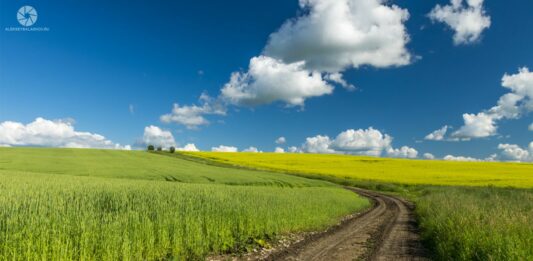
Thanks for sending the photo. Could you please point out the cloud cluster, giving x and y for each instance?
(358, 142)
(306, 56)
(512, 105)
(52, 133)
(467, 18)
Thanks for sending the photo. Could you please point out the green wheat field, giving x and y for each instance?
(84, 204)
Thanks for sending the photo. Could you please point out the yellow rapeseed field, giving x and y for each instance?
(429, 172)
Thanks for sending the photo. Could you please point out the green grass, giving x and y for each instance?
(69, 204)
(134, 165)
(476, 221)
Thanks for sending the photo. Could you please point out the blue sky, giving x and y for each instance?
(100, 57)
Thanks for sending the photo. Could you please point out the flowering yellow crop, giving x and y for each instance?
(386, 169)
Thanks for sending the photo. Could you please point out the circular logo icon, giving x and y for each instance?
(27, 15)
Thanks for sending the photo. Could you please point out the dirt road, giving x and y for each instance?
(385, 232)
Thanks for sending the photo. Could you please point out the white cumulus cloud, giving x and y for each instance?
(467, 18)
(365, 142)
(332, 35)
(530, 127)
(338, 78)
(294, 149)
(438, 134)
(516, 153)
(269, 80)
(307, 55)
(403, 152)
(193, 116)
(429, 156)
(281, 140)
(52, 133)
(223, 148)
(188, 147)
(279, 150)
(154, 135)
(317, 144)
(512, 105)
(476, 126)
(459, 158)
(369, 142)
(252, 149)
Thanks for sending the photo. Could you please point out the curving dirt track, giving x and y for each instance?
(385, 232)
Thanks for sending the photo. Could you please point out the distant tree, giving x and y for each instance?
(151, 147)
(172, 149)
(159, 148)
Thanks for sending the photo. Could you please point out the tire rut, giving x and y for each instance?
(387, 231)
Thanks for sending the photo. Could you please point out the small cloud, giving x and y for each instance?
(279, 150)
(252, 149)
(281, 140)
(429, 156)
(467, 18)
(200, 72)
(188, 147)
(131, 109)
(223, 148)
(437, 135)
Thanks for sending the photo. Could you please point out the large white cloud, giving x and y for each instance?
(155, 136)
(512, 105)
(52, 133)
(357, 142)
(223, 148)
(333, 35)
(269, 80)
(467, 18)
